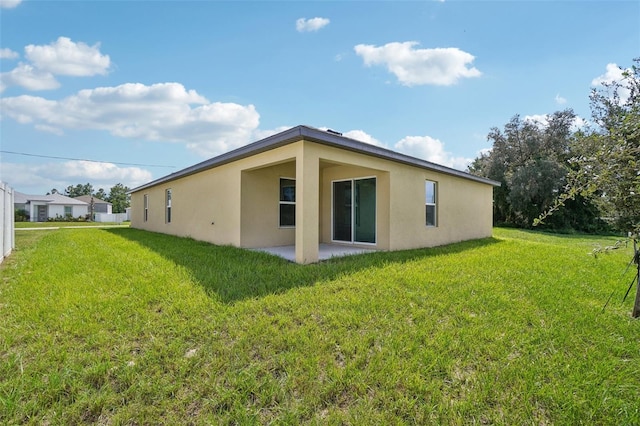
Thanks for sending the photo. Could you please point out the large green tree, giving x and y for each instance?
(119, 198)
(605, 161)
(78, 190)
(529, 159)
(101, 194)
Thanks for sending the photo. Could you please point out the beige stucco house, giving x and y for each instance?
(305, 187)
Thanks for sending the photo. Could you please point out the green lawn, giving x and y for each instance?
(20, 225)
(122, 326)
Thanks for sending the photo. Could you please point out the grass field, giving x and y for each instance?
(122, 326)
(21, 225)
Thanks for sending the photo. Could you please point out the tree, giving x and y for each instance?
(605, 165)
(101, 194)
(53, 191)
(529, 159)
(78, 190)
(119, 198)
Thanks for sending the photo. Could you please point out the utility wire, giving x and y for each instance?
(84, 159)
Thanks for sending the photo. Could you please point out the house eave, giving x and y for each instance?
(313, 135)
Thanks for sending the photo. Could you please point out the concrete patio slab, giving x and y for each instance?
(325, 251)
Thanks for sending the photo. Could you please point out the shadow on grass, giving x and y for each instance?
(234, 274)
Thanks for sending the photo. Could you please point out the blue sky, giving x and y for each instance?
(143, 84)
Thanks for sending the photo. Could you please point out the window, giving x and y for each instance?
(430, 203)
(168, 218)
(287, 202)
(146, 207)
(68, 210)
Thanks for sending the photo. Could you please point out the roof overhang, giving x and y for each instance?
(313, 135)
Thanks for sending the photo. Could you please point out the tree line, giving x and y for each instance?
(117, 195)
(556, 175)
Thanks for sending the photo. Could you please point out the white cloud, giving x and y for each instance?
(613, 74)
(262, 134)
(163, 111)
(50, 129)
(30, 78)
(430, 149)
(6, 53)
(579, 123)
(313, 24)
(440, 66)
(65, 57)
(62, 57)
(362, 136)
(31, 178)
(423, 147)
(9, 4)
(542, 120)
(560, 100)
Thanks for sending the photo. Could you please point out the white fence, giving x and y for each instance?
(7, 237)
(110, 217)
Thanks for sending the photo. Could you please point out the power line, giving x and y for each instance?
(84, 159)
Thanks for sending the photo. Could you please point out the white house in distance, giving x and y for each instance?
(41, 208)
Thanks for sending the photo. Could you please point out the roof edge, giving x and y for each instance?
(314, 135)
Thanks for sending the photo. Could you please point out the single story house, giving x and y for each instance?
(99, 206)
(41, 208)
(305, 187)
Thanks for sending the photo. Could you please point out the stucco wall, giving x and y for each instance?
(207, 205)
(237, 203)
(204, 206)
(260, 207)
(464, 209)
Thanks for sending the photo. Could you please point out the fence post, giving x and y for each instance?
(636, 259)
(7, 240)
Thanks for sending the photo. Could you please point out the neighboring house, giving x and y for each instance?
(99, 206)
(306, 186)
(41, 208)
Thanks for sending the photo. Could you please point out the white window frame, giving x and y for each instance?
(168, 197)
(146, 207)
(281, 203)
(428, 203)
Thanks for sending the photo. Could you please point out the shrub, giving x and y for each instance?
(21, 215)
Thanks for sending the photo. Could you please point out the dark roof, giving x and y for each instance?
(20, 198)
(329, 138)
(87, 199)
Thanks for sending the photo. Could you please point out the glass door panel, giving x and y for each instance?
(342, 214)
(354, 210)
(365, 210)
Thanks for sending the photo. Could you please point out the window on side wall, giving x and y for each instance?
(168, 197)
(146, 207)
(68, 210)
(287, 203)
(431, 197)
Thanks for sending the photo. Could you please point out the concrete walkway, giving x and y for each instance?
(325, 251)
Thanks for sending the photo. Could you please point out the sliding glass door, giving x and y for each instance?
(354, 210)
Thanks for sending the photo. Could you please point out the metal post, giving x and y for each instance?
(636, 259)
